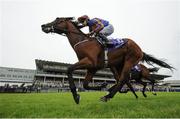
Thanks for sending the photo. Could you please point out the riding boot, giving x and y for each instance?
(107, 43)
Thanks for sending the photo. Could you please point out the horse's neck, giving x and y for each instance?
(75, 35)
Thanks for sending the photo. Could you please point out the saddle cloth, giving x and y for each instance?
(136, 68)
(116, 42)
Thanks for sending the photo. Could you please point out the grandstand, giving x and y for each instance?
(15, 79)
(53, 74)
(16, 75)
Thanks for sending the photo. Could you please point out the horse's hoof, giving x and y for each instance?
(155, 94)
(77, 98)
(136, 97)
(104, 99)
(145, 95)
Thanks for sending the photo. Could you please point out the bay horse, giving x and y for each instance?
(143, 73)
(90, 54)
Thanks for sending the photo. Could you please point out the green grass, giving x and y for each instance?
(62, 105)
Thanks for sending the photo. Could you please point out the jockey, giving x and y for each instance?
(97, 26)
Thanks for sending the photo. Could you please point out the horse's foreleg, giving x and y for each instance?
(72, 84)
(88, 78)
(82, 64)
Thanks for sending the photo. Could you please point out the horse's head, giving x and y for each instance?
(59, 25)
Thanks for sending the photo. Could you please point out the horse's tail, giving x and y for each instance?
(149, 59)
(154, 69)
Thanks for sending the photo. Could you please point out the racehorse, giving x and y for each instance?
(139, 73)
(90, 54)
(144, 73)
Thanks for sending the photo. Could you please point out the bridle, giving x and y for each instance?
(53, 28)
(64, 32)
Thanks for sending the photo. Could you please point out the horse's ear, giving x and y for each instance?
(57, 18)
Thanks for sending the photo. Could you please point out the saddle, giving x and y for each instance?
(136, 68)
(113, 43)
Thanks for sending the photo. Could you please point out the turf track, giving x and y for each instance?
(62, 105)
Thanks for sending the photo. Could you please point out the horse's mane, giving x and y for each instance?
(76, 24)
(66, 18)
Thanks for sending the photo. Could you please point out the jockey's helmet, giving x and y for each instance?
(83, 18)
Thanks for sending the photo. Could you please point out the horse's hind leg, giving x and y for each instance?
(122, 80)
(131, 88)
(88, 78)
(153, 92)
(144, 86)
(120, 91)
(116, 77)
(111, 88)
(114, 91)
(152, 83)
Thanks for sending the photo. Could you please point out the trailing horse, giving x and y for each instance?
(90, 54)
(138, 73)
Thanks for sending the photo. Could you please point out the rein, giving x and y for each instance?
(69, 31)
(79, 43)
